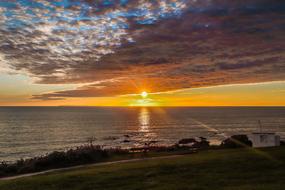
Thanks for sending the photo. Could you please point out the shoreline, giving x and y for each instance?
(93, 154)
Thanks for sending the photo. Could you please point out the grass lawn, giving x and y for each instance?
(232, 169)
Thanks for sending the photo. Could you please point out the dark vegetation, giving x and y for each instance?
(236, 141)
(81, 155)
(90, 153)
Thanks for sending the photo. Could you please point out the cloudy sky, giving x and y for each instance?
(105, 52)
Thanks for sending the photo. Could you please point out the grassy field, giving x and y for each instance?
(232, 169)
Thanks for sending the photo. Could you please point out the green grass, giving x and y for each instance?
(239, 169)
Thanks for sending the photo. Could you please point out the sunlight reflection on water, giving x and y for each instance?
(144, 120)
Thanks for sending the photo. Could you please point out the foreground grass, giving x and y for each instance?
(236, 169)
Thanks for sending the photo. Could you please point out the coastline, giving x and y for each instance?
(93, 154)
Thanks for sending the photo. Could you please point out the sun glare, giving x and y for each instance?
(144, 94)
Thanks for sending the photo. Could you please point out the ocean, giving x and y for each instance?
(32, 131)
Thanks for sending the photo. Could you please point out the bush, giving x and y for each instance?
(203, 143)
(81, 155)
(236, 141)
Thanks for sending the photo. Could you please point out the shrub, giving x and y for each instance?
(81, 155)
(203, 143)
(236, 141)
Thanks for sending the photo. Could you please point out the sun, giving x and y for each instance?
(144, 94)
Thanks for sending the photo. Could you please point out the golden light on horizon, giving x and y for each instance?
(144, 94)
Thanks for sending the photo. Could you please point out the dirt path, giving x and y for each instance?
(88, 165)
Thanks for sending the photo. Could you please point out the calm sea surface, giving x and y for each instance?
(27, 132)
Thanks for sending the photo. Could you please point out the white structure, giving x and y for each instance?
(265, 139)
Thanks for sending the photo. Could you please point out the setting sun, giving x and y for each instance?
(95, 81)
(144, 94)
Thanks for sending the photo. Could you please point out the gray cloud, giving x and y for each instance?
(209, 43)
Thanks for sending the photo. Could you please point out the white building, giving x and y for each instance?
(265, 139)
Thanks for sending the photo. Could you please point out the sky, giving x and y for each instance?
(106, 52)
